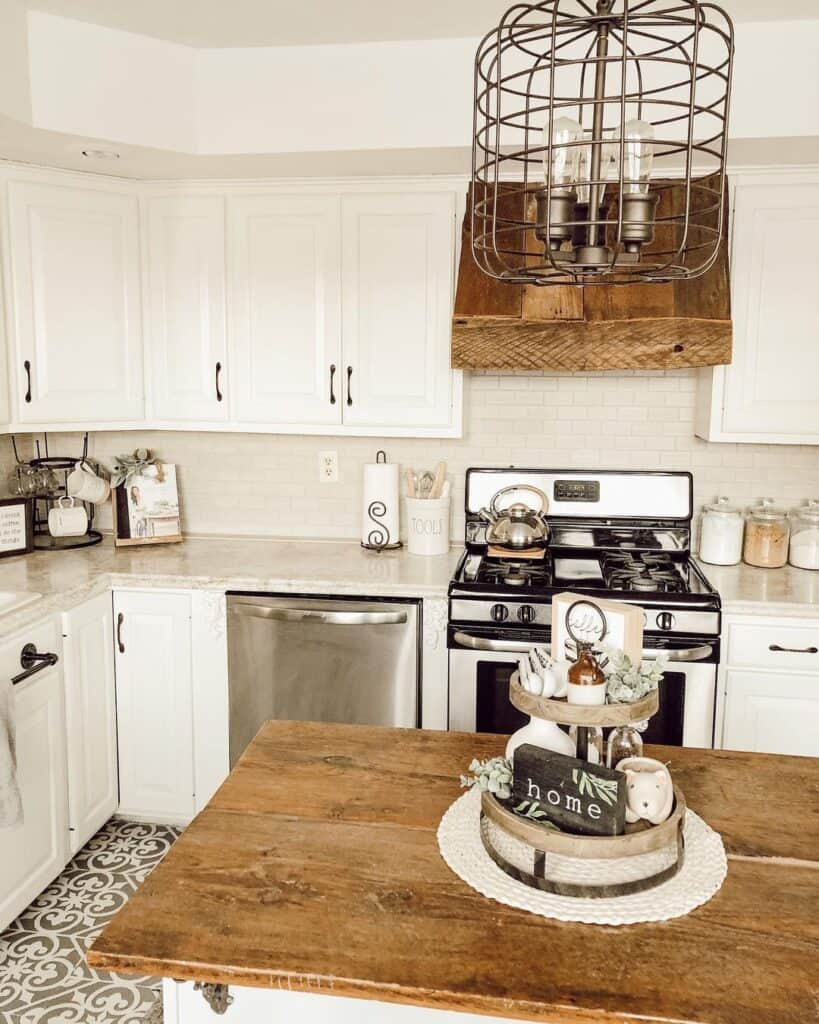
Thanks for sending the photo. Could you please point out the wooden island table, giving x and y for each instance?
(312, 885)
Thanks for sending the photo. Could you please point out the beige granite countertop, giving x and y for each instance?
(750, 591)
(67, 578)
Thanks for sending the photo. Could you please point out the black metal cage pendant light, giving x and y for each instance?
(599, 141)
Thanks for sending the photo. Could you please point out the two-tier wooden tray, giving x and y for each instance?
(638, 840)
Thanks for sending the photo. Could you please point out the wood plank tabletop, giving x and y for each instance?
(316, 867)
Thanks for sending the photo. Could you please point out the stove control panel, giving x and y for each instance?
(526, 613)
(499, 613)
(666, 621)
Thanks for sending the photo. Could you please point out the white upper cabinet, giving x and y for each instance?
(75, 297)
(285, 346)
(186, 309)
(770, 392)
(397, 273)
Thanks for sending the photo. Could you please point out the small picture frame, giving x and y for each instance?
(146, 508)
(16, 526)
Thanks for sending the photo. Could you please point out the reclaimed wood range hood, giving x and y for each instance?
(500, 326)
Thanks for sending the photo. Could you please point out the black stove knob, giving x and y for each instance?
(499, 612)
(526, 613)
(665, 620)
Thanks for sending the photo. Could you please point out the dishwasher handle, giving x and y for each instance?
(332, 618)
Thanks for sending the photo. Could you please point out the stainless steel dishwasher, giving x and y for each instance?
(321, 659)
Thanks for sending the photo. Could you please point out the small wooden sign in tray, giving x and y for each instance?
(581, 714)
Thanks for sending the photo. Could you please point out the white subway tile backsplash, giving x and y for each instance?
(268, 484)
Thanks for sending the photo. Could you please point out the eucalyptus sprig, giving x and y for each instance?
(493, 776)
(127, 466)
(627, 682)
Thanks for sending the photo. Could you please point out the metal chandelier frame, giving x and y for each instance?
(668, 62)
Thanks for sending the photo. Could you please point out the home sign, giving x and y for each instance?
(575, 795)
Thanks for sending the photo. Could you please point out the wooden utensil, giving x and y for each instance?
(437, 486)
(411, 483)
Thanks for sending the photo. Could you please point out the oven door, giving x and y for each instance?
(481, 662)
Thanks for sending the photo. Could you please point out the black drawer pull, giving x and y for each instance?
(793, 650)
(349, 375)
(27, 368)
(332, 375)
(32, 662)
(120, 644)
(218, 391)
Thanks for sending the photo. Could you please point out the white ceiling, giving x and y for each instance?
(219, 23)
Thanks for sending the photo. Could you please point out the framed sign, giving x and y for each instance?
(612, 622)
(146, 507)
(16, 526)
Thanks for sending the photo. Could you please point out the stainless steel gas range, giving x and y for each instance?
(614, 534)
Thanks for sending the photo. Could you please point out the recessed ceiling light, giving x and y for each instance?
(101, 154)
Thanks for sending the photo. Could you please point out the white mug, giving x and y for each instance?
(84, 484)
(67, 520)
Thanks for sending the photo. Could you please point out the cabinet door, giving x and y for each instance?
(398, 258)
(34, 852)
(186, 275)
(76, 298)
(772, 386)
(284, 298)
(771, 713)
(88, 666)
(154, 705)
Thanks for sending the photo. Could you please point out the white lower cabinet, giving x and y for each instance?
(770, 684)
(771, 713)
(152, 642)
(91, 722)
(35, 851)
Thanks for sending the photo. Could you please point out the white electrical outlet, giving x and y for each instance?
(328, 467)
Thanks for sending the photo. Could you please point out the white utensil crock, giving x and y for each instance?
(428, 526)
(66, 519)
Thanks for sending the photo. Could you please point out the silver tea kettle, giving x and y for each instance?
(518, 526)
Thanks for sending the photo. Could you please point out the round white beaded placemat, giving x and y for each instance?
(701, 875)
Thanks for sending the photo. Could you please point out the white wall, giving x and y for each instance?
(268, 485)
(114, 85)
(93, 81)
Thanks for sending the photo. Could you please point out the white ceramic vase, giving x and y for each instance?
(540, 733)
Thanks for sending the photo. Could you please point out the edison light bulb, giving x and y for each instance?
(562, 173)
(638, 156)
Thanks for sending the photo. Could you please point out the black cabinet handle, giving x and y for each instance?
(218, 392)
(349, 395)
(793, 650)
(332, 374)
(27, 368)
(32, 662)
(120, 644)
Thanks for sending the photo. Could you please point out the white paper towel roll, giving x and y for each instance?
(380, 503)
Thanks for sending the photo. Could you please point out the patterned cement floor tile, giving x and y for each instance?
(44, 978)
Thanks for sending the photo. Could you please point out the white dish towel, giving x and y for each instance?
(11, 806)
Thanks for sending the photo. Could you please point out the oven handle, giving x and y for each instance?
(480, 643)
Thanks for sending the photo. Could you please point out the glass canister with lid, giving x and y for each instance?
(804, 552)
(721, 533)
(767, 531)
